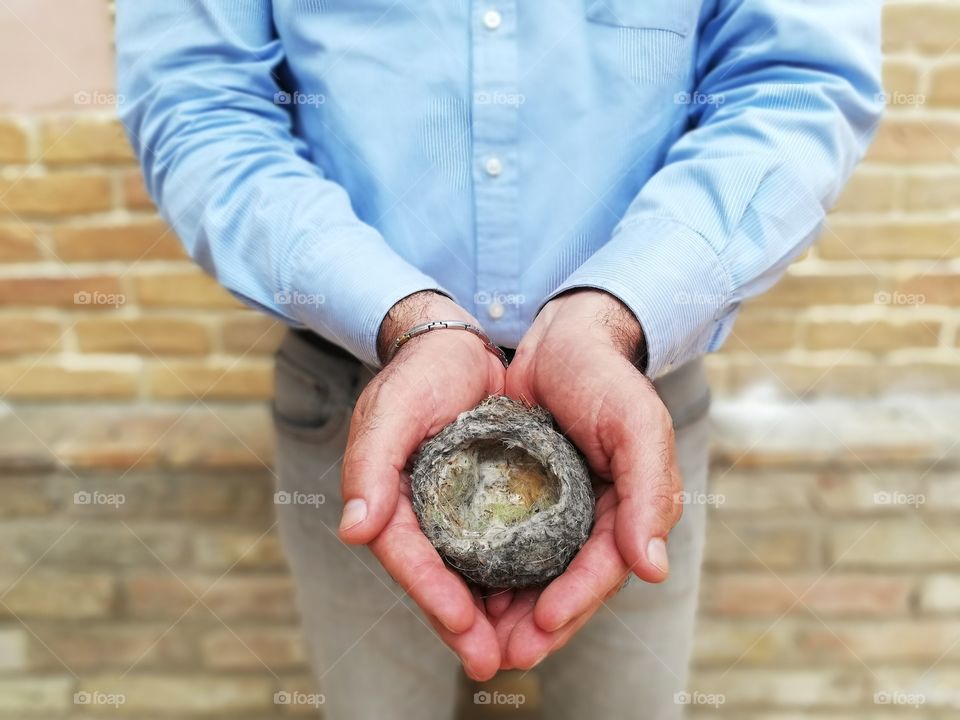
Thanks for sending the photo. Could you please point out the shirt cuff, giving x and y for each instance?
(362, 281)
(671, 279)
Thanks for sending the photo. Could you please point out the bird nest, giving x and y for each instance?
(503, 496)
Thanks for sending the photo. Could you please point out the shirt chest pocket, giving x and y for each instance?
(678, 16)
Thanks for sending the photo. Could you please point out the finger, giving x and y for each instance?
(521, 606)
(647, 479)
(477, 647)
(594, 575)
(498, 601)
(385, 430)
(412, 561)
(528, 645)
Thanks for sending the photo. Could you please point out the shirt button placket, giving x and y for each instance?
(495, 126)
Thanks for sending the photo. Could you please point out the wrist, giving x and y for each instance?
(606, 318)
(413, 310)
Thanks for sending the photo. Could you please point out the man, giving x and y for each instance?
(598, 184)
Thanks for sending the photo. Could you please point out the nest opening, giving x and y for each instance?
(491, 484)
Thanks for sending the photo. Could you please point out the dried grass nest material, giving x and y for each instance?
(503, 496)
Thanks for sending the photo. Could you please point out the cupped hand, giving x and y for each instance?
(578, 361)
(430, 380)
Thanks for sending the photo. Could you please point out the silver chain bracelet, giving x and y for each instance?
(416, 330)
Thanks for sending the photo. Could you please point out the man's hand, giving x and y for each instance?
(578, 360)
(431, 380)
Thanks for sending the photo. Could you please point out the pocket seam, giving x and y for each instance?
(601, 12)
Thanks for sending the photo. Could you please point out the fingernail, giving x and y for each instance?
(354, 513)
(657, 554)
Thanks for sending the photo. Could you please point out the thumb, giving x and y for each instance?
(386, 428)
(647, 480)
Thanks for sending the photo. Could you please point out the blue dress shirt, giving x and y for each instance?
(325, 158)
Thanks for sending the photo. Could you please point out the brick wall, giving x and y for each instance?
(833, 566)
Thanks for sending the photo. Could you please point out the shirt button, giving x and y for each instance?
(493, 166)
(495, 311)
(492, 19)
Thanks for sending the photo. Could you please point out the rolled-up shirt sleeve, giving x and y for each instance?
(207, 119)
(787, 98)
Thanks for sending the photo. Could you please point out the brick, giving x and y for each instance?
(869, 192)
(833, 595)
(221, 382)
(252, 648)
(945, 85)
(14, 142)
(252, 333)
(768, 492)
(871, 335)
(890, 240)
(183, 290)
(934, 288)
(932, 376)
(756, 332)
(236, 495)
(915, 140)
(20, 696)
(72, 546)
(138, 240)
(240, 549)
(84, 139)
(182, 695)
(779, 688)
(925, 192)
(28, 334)
(17, 243)
(13, 649)
(938, 684)
(870, 491)
(143, 336)
(928, 27)
(102, 646)
(135, 195)
(867, 642)
(55, 194)
(94, 292)
(900, 77)
(842, 376)
(905, 543)
(723, 642)
(48, 380)
(943, 492)
(41, 594)
(234, 597)
(30, 495)
(758, 546)
(940, 593)
(795, 291)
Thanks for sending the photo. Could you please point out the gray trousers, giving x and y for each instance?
(376, 656)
